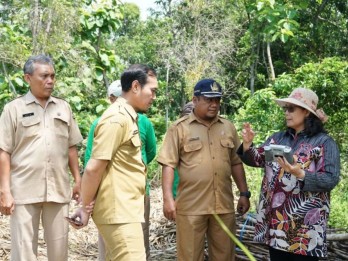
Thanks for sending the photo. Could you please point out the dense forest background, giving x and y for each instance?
(258, 50)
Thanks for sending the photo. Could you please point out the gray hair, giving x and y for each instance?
(28, 67)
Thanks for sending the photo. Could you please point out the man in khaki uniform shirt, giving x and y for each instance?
(115, 174)
(202, 145)
(38, 138)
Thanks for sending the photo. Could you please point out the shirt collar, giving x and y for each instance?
(292, 132)
(30, 98)
(127, 107)
(192, 118)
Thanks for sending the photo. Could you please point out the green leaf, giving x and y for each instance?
(75, 99)
(99, 73)
(100, 108)
(88, 46)
(284, 38)
(99, 21)
(105, 59)
(19, 81)
(259, 6)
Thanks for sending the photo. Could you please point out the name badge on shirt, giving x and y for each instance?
(194, 138)
(28, 114)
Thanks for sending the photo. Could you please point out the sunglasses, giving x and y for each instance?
(290, 108)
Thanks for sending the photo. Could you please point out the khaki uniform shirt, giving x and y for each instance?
(204, 156)
(120, 198)
(38, 140)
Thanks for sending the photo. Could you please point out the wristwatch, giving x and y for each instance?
(245, 194)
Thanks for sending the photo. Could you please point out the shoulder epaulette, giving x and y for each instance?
(183, 118)
(20, 96)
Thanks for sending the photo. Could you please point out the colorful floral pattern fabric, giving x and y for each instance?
(288, 217)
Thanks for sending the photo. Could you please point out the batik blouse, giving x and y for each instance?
(292, 214)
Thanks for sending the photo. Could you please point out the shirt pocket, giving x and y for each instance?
(31, 126)
(227, 146)
(135, 140)
(134, 149)
(61, 125)
(193, 152)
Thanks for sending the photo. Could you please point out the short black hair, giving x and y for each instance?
(28, 67)
(139, 72)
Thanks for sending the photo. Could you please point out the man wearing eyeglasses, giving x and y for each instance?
(202, 145)
(38, 139)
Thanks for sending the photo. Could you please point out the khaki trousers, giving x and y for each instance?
(190, 237)
(25, 222)
(146, 231)
(123, 242)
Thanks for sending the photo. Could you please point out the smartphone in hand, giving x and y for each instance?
(74, 221)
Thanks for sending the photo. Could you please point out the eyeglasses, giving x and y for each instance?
(290, 108)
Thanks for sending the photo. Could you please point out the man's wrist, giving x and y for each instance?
(246, 194)
(78, 180)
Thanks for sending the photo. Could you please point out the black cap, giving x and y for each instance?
(208, 88)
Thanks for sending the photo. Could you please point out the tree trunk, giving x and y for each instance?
(167, 94)
(106, 81)
(35, 26)
(253, 67)
(270, 63)
(49, 22)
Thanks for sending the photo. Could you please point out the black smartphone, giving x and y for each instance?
(74, 221)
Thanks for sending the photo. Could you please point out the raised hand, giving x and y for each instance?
(247, 135)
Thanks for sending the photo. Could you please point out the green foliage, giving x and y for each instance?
(260, 110)
(329, 79)
(275, 19)
(160, 127)
(339, 198)
(254, 178)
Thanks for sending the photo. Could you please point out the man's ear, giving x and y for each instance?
(194, 100)
(27, 78)
(135, 86)
(112, 98)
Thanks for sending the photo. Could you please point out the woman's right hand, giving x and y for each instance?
(247, 135)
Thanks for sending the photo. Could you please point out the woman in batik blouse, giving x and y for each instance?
(294, 203)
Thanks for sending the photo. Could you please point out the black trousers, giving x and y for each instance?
(278, 255)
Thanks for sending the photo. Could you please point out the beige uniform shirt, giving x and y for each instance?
(120, 198)
(204, 156)
(38, 140)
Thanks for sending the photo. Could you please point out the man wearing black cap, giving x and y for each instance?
(202, 145)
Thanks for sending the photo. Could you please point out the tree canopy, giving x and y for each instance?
(257, 50)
